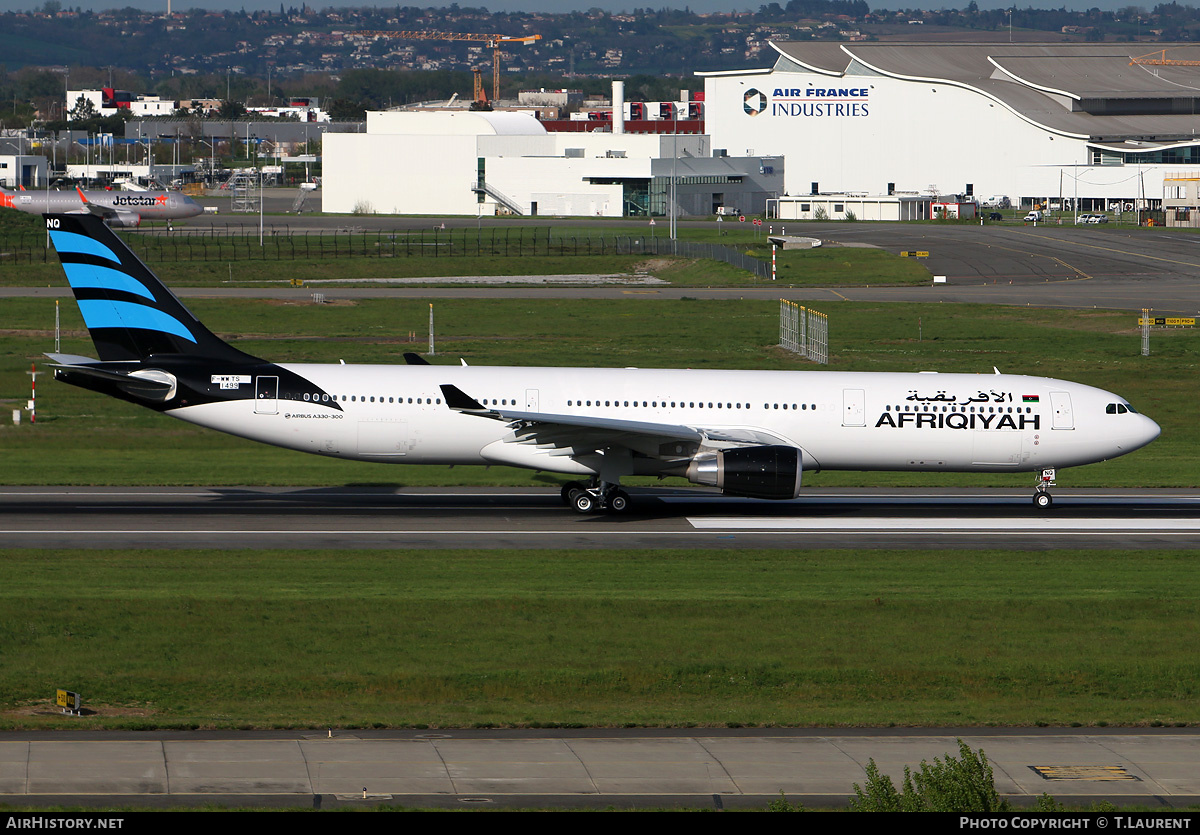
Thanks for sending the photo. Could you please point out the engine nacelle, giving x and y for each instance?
(125, 220)
(760, 472)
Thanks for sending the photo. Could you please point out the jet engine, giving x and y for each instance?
(125, 220)
(760, 472)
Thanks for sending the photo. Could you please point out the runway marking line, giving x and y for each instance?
(1007, 524)
(608, 532)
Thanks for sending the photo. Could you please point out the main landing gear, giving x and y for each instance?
(1041, 494)
(596, 497)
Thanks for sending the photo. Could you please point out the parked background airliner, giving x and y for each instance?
(750, 433)
(117, 208)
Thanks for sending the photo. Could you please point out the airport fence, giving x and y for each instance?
(225, 244)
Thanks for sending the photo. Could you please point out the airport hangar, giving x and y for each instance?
(1099, 126)
(1103, 123)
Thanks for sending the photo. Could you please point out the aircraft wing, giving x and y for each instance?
(105, 212)
(583, 433)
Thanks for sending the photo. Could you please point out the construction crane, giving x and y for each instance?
(1162, 60)
(493, 41)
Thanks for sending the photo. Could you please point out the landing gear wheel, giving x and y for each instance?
(618, 502)
(584, 502)
(1042, 499)
(569, 490)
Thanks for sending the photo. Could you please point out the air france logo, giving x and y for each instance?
(819, 102)
(754, 102)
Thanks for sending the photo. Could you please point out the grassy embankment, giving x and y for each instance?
(461, 638)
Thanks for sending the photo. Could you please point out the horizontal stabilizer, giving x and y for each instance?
(72, 359)
(150, 384)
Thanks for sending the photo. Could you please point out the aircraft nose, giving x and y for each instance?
(1140, 434)
(1150, 430)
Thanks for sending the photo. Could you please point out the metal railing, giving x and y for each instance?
(804, 331)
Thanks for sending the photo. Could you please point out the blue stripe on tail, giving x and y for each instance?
(81, 245)
(106, 313)
(96, 277)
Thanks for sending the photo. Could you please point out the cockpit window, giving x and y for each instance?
(1118, 409)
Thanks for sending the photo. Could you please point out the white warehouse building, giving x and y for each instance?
(1035, 122)
(480, 163)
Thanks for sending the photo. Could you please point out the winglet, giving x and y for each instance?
(81, 197)
(414, 359)
(460, 401)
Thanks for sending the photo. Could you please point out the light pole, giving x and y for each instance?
(212, 158)
(673, 191)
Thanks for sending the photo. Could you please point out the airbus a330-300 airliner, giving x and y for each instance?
(749, 433)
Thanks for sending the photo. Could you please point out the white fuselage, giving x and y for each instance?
(840, 420)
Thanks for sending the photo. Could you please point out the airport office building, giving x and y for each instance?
(461, 162)
(1033, 122)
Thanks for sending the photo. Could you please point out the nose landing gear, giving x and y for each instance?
(1041, 494)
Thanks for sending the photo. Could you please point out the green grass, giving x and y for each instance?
(84, 438)
(239, 261)
(826, 268)
(461, 638)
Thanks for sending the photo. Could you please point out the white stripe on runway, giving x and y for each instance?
(884, 523)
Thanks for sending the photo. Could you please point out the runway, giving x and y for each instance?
(384, 517)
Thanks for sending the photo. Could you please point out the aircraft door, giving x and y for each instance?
(531, 400)
(266, 395)
(854, 408)
(1060, 402)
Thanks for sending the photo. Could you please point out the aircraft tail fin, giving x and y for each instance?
(129, 313)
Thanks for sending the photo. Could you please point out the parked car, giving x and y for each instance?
(1033, 217)
(1098, 219)
(995, 216)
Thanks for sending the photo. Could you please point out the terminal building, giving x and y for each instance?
(1097, 126)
